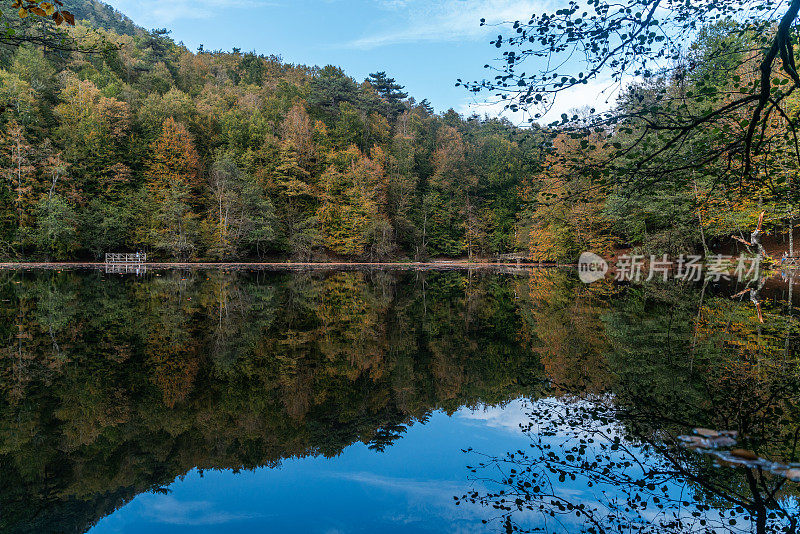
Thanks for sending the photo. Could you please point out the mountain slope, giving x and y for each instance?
(102, 15)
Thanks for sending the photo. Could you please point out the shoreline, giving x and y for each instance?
(278, 265)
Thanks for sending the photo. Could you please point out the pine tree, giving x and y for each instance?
(390, 91)
(426, 106)
(387, 87)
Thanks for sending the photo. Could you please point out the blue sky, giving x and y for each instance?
(425, 45)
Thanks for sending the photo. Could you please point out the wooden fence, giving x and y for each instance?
(138, 257)
(514, 257)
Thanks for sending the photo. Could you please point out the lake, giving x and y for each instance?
(332, 401)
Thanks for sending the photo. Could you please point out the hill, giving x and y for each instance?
(229, 155)
(101, 15)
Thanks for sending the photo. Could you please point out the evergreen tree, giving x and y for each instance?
(390, 92)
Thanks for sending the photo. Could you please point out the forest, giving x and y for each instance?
(127, 141)
(132, 142)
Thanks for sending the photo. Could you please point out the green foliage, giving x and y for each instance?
(133, 140)
(56, 228)
(702, 137)
(390, 92)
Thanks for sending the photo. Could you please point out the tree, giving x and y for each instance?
(425, 105)
(17, 98)
(724, 119)
(455, 226)
(240, 216)
(298, 133)
(353, 203)
(297, 198)
(568, 217)
(54, 167)
(94, 130)
(223, 181)
(499, 164)
(402, 182)
(36, 22)
(173, 188)
(56, 227)
(18, 169)
(390, 91)
(31, 65)
(330, 87)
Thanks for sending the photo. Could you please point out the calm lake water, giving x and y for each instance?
(394, 401)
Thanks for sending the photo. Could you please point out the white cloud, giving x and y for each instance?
(600, 93)
(169, 510)
(448, 20)
(508, 417)
(412, 486)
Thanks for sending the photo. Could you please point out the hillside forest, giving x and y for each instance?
(129, 141)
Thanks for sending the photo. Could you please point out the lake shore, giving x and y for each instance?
(438, 265)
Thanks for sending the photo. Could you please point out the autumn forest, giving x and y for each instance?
(136, 143)
(358, 311)
(128, 141)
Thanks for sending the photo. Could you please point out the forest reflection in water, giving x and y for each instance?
(114, 385)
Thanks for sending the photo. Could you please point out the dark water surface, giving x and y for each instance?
(394, 401)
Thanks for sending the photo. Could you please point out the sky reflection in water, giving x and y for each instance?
(407, 488)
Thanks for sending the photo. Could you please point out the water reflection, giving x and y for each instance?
(677, 357)
(113, 385)
(407, 488)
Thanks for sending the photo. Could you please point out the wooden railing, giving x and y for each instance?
(138, 257)
(513, 257)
